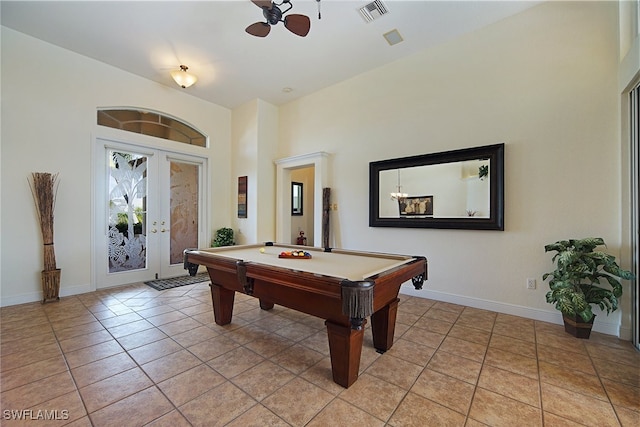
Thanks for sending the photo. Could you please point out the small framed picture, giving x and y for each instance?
(416, 206)
(242, 197)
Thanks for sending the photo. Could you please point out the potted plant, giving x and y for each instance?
(583, 277)
(223, 237)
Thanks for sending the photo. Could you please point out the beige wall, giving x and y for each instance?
(244, 158)
(543, 82)
(254, 144)
(49, 102)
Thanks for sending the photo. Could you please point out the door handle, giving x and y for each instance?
(154, 231)
(164, 229)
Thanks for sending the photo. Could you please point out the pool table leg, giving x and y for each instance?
(345, 346)
(383, 326)
(222, 304)
(266, 305)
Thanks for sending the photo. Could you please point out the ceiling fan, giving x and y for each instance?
(296, 23)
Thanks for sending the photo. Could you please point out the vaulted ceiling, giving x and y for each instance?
(152, 38)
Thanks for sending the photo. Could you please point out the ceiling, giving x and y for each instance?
(151, 38)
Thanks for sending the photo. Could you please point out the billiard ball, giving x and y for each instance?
(261, 250)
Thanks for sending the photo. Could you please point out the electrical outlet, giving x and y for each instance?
(531, 283)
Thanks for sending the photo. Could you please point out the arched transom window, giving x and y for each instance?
(152, 124)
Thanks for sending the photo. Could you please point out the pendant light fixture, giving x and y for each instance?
(183, 78)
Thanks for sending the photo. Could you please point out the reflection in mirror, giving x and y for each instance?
(445, 190)
(456, 189)
(296, 198)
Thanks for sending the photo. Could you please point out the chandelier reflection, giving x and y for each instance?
(399, 195)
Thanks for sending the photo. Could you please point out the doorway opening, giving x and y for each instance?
(319, 164)
(149, 205)
(302, 201)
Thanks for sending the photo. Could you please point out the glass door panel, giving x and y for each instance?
(181, 227)
(184, 208)
(127, 201)
(126, 206)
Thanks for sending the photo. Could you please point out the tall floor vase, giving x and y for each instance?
(44, 188)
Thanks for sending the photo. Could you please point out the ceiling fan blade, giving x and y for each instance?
(259, 29)
(262, 3)
(298, 24)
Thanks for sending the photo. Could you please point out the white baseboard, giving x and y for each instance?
(626, 333)
(602, 326)
(37, 296)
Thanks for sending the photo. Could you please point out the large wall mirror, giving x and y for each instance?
(461, 189)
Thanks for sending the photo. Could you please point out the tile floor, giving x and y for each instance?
(135, 356)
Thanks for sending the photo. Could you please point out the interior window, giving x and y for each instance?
(152, 124)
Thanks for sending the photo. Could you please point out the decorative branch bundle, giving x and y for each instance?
(44, 189)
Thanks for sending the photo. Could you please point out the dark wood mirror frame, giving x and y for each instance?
(495, 221)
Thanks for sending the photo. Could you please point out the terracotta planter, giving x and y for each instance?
(50, 285)
(576, 326)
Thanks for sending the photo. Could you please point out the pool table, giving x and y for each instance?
(344, 287)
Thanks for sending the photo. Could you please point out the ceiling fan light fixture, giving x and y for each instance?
(183, 78)
(294, 22)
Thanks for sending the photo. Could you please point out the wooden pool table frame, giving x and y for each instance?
(314, 294)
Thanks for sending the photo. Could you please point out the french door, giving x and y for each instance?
(149, 208)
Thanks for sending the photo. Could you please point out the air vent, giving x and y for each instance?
(393, 37)
(373, 10)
